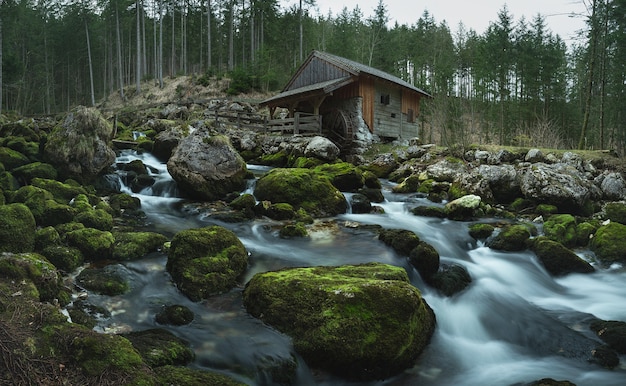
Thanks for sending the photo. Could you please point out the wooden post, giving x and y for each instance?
(296, 123)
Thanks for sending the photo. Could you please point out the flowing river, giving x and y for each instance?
(504, 329)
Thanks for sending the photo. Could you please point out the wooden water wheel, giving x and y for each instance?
(338, 127)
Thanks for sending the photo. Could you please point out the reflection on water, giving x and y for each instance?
(514, 324)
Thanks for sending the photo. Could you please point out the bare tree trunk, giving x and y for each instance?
(119, 54)
(301, 38)
(144, 61)
(172, 72)
(592, 65)
(160, 70)
(1, 86)
(231, 37)
(138, 48)
(93, 97)
(208, 35)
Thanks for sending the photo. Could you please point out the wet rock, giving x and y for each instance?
(425, 258)
(280, 211)
(206, 261)
(430, 211)
(557, 259)
(65, 258)
(134, 245)
(17, 228)
(382, 165)
(450, 279)
(401, 240)
(302, 188)
(159, 347)
(615, 211)
(463, 208)
(612, 185)
(558, 184)
(343, 175)
(207, 167)
(534, 155)
(481, 231)
(550, 382)
(322, 148)
(173, 375)
(609, 243)
(290, 231)
(63, 192)
(510, 238)
(79, 148)
(175, 315)
(27, 172)
(360, 203)
(166, 141)
(360, 322)
(612, 332)
(605, 356)
(12, 159)
(111, 280)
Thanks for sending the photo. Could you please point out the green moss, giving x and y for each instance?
(34, 267)
(124, 202)
(65, 258)
(8, 182)
(546, 209)
(557, 259)
(362, 322)
(17, 228)
(293, 230)
(511, 238)
(584, 232)
(93, 243)
(401, 240)
(173, 375)
(176, 315)
(35, 170)
(62, 192)
(206, 261)
(306, 162)
(521, 204)
(609, 243)
(243, 202)
(159, 347)
(95, 218)
(107, 281)
(279, 160)
(302, 188)
(45, 237)
(561, 228)
(456, 191)
(615, 211)
(343, 175)
(481, 231)
(410, 184)
(97, 353)
(12, 159)
(134, 245)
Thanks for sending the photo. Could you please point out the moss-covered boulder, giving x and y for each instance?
(175, 315)
(343, 175)
(401, 240)
(12, 159)
(27, 172)
(124, 202)
(96, 218)
(177, 375)
(17, 228)
(290, 231)
(79, 147)
(451, 279)
(615, 211)
(562, 229)
(34, 268)
(159, 347)
(302, 188)
(511, 238)
(65, 258)
(425, 258)
(612, 332)
(63, 192)
(93, 243)
(481, 231)
(277, 211)
(360, 322)
(134, 245)
(585, 231)
(609, 243)
(557, 259)
(206, 261)
(110, 280)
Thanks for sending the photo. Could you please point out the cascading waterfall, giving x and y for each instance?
(506, 328)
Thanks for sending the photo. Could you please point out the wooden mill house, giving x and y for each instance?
(349, 96)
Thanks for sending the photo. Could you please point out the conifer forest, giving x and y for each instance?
(515, 83)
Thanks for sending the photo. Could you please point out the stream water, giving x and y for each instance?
(503, 330)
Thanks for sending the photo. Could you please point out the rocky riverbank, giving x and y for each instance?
(62, 223)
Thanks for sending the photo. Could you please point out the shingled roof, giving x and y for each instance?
(351, 72)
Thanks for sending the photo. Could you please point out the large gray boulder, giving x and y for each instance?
(207, 167)
(79, 148)
(559, 184)
(322, 148)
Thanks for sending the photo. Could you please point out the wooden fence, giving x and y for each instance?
(301, 123)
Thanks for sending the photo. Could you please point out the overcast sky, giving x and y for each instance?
(474, 14)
